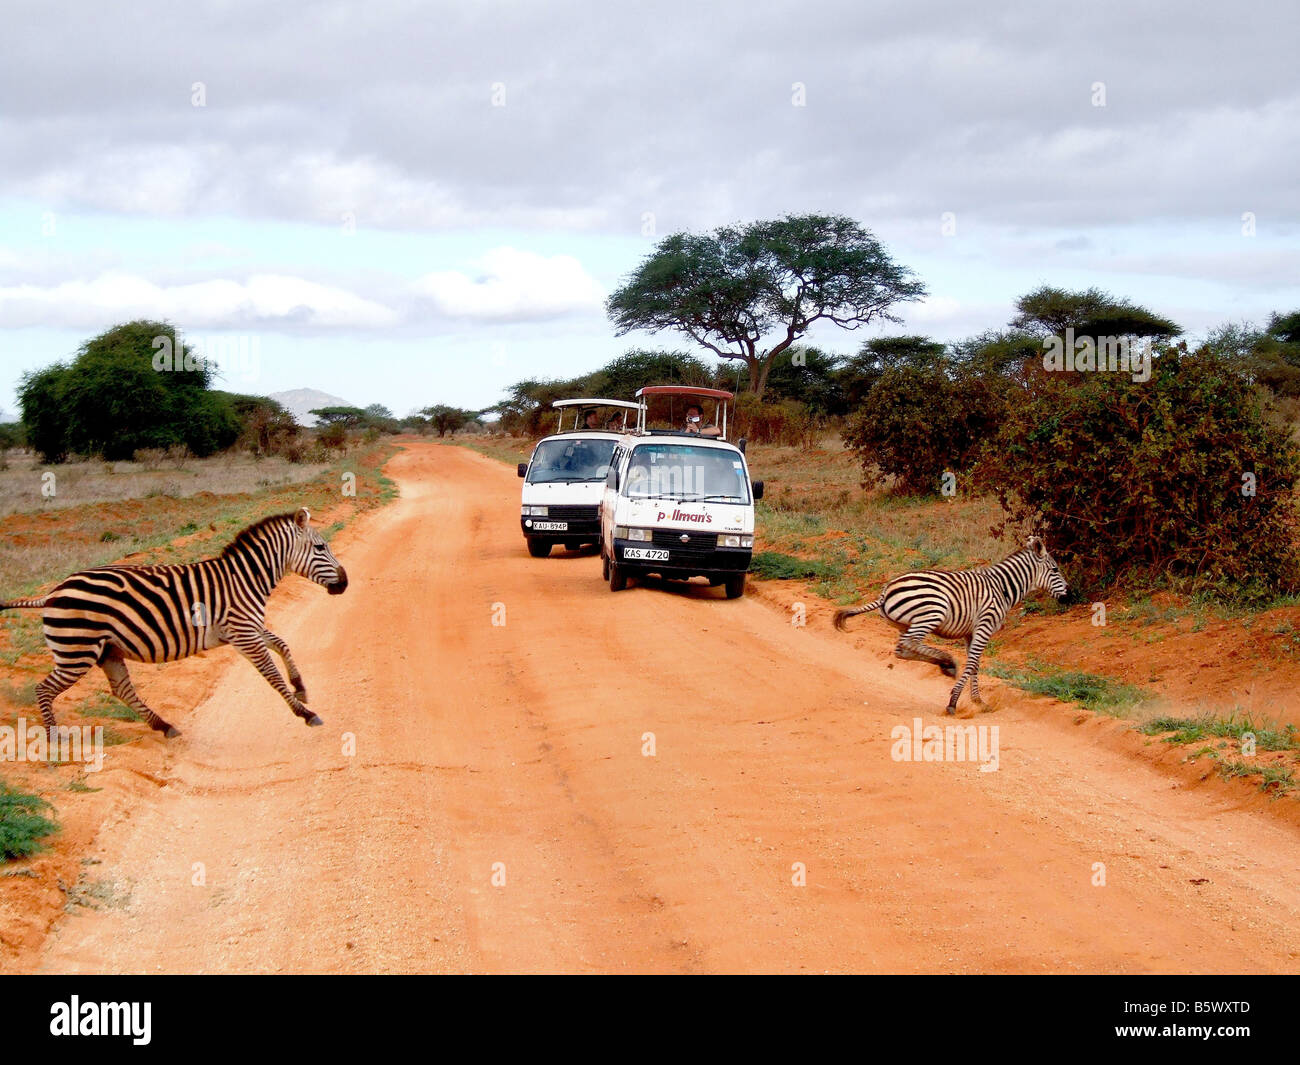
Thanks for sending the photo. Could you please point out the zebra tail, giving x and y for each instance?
(841, 616)
(24, 604)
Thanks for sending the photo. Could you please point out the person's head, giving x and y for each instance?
(591, 419)
(694, 413)
(612, 422)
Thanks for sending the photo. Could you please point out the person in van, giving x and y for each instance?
(615, 424)
(591, 420)
(695, 422)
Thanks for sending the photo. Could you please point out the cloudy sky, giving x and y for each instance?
(412, 203)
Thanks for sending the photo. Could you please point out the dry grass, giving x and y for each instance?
(816, 508)
(25, 484)
(511, 450)
(96, 522)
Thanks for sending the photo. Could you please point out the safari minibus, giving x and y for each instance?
(678, 503)
(565, 476)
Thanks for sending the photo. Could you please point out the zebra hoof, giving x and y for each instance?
(171, 732)
(949, 668)
(315, 720)
(952, 708)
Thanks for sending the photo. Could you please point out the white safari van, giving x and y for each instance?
(565, 477)
(679, 503)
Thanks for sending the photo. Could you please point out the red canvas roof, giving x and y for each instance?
(684, 390)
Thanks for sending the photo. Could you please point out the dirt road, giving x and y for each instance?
(499, 813)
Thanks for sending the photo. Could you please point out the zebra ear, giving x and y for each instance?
(1036, 545)
(303, 518)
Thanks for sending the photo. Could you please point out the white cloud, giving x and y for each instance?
(513, 284)
(262, 299)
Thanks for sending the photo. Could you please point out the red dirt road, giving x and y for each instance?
(515, 751)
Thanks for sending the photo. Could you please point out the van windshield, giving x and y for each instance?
(571, 459)
(686, 473)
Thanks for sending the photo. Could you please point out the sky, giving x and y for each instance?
(416, 203)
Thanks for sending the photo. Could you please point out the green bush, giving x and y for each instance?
(22, 823)
(1143, 480)
(775, 566)
(133, 387)
(919, 422)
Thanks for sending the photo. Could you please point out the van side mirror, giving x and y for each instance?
(523, 468)
(741, 443)
(758, 489)
(611, 479)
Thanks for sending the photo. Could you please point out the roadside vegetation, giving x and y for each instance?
(23, 823)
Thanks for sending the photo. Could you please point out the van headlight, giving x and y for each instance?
(622, 532)
(534, 512)
(730, 540)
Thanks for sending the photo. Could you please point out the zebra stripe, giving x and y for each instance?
(969, 604)
(115, 614)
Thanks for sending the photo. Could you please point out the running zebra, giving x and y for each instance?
(970, 604)
(110, 615)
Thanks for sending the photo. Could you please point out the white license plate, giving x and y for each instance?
(551, 526)
(649, 554)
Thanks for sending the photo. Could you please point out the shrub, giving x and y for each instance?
(333, 436)
(22, 823)
(135, 386)
(919, 422)
(786, 422)
(1182, 475)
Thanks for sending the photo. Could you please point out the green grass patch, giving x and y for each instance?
(104, 705)
(1089, 690)
(1274, 780)
(774, 566)
(23, 823)
(1197, 729)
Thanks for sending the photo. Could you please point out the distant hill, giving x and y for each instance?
(299, 401)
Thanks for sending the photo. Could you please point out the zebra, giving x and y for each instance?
(113, 614)
(970, 604)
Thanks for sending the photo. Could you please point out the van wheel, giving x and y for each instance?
(735, 586)
(604, 567)
(617, 577)
(539, 548)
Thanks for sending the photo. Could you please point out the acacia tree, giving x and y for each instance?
(347, 417)
(749, 292)
(448, 419)
(1090, 312)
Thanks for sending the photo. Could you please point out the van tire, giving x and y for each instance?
(735, 586)
(604, 567)
(539, 548)
(617, 577)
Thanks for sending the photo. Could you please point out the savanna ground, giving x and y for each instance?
(1181, 669)
(55, 520)
(490, 743)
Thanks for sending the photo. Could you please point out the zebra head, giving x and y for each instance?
(1047, 574)
(311, 557)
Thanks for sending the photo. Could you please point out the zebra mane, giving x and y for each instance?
(250, 535)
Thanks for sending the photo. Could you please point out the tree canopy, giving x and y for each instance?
(749, 292)
(133, 387)
(1090, 312)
